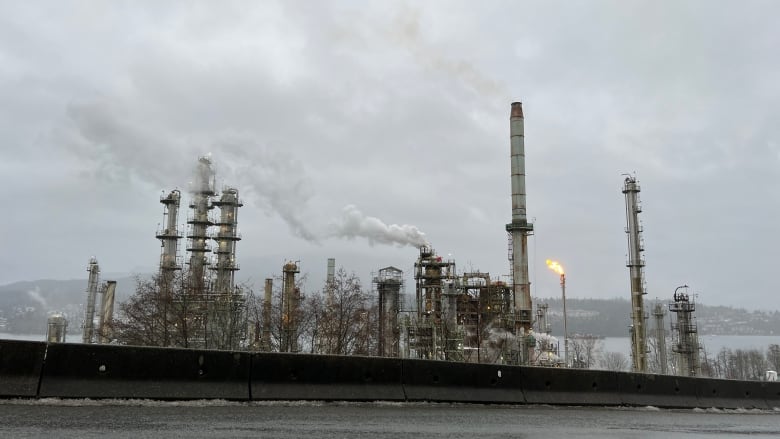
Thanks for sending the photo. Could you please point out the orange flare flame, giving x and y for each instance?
(555, 266)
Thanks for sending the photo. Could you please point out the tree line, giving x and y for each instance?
(340, 318)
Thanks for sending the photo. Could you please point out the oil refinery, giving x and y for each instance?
(464, 336)
(468, 316)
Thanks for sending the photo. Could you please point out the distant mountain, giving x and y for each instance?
(25, 306)
(611, 318)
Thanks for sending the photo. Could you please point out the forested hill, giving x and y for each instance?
(611, 318)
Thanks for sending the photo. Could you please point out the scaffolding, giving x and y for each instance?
(432, 273)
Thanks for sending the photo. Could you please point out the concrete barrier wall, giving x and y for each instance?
(20, 367)
(732, 394)
(772, 395)
(30, 369)
(278, 376)
(545, 385)
(101, 371)
(426, 380)
(657, 390)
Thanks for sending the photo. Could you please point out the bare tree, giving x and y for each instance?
(344, 325)
(585, 351)
(773, 357)
(155, 315)
(613, 361)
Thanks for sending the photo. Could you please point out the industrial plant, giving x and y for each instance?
(471, 317)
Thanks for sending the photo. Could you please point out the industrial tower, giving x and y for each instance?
(265, 340)
(426, 336)
(636, 270)
(290, 308)
(92, 289)
(686, 337)
(660, 337)
(388, 286)
(199, 222)
(169, 236)
(226, 238)
(519, 229)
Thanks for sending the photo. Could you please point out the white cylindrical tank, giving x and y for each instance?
(57, 328)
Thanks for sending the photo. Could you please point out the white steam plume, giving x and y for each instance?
(35, 294)
(353, 224)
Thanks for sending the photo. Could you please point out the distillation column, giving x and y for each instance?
(226, 238)
(106, 312)
(290, 305)
(660, 337)
(686, 343)
(519, 229)
(636, 270)
(169, 235)
(92, 290)
(388, 287)
(265, 341)
(199, 222)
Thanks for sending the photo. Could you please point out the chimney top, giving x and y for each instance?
(517, 109)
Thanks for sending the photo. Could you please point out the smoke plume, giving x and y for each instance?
(354, 224)
(35, 294)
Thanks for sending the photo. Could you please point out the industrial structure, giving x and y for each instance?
(519, 230)
(291, 299)
(474, 318)
(107, 292)
(636, 265)
(199, 222)
(265, 339)
(468, 317)
(56, 329)
(169, 237)
(388, 283)
(558, 268)
(660, 338)
(205, 302)
(685, 333)
(92, 289)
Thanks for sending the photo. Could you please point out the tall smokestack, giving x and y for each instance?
(519, 228)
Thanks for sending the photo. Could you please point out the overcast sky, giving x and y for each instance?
(400, 110)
